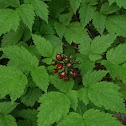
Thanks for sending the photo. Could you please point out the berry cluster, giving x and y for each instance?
(65, 62)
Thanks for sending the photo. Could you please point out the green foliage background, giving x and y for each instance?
(31, 34)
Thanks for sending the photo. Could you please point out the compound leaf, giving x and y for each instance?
(31, 96)
(11, 38)
(41, 77)
(44, 46)
(99, 21)
(7, 107)
(9, 19)
(54, 106)
(61, 84)
(7, 120)
(75, 4)
(27, 15)
(105, 94)
(101, 43)
(21, 58)
(41, 9)
(86, 14)
(116, 24)
(13, 82)
(117, 55)
(60, 29)
(73, 119)
(75, 33)
(96, 118)
(93, 77)
(73, 96)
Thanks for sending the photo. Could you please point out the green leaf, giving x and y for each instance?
(90, 118)
(85, 63)
(12, 82)
(120, 3)
(82, 108)
(96, 118)
(11, 38)
(105, 94)
(7, 107)
(69, 50)
(94, 57)
(61, 84)
(111, 67)
(73, 96)
(56, 7)
(66, 18)
(117, 55)
(83, 95)
(122, 89)
(122, 73)
(93, 77)
(27, 15)
(44, 46)
(85, 45)
(75, 33)
(86, 14)
(30, 114)
(41, 77)
(46, 29)
(3, 5)
(9, 19)
(111, 1)
(13, 3)
(99, 21)
(33, 50)
(31, 96)
(73, 119)
(101, 44)
(75, 4)
(106, 9)
(41, 9)
(116, 24)
(7, 120)
(60, 29)
(21, 58)
(54, 106)
(47, 61)
(25, 122)
(56, 44)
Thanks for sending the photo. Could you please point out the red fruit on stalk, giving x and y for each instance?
(60, 76)
(66, 78)
(55, 70)
(54, 63)
(59, 57)
(68, 64)
(74, 74)
(59, 66)
(63, 73)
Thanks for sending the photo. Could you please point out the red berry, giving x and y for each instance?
(55, 70)
(66, 60)
(74, 73)
(66, 78)
(60, 76)
(68, 64)
(63, 73)
(59, 66)
(59, 57)
(54, 63)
